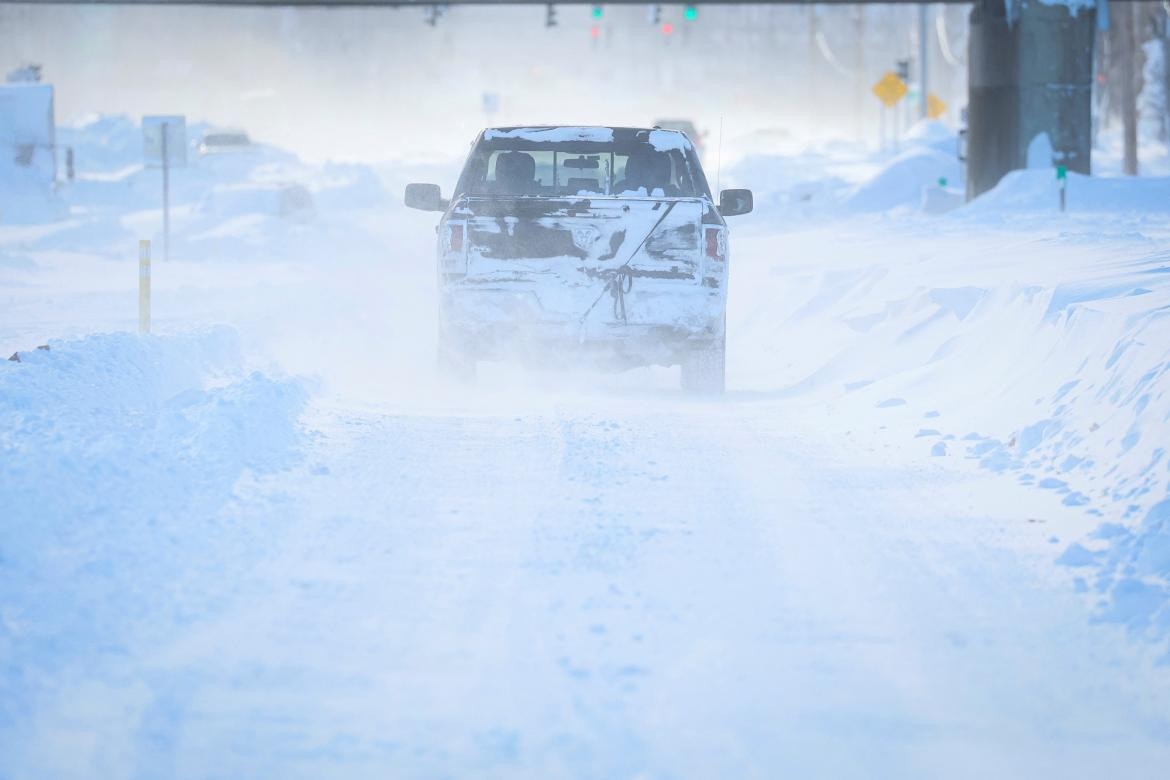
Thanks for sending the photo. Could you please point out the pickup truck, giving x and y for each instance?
(574, 245)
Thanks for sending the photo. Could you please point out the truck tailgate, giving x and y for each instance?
(579, 239)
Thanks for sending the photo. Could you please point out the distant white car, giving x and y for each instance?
(598, 244)
(225, 142)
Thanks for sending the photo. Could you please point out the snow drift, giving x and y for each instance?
(1037, 190)
(1053, 371)
(119, 454)
(116, 425)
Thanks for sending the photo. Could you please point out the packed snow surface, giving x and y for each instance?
(925, 534)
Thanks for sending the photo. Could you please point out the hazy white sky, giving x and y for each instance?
(379, 83)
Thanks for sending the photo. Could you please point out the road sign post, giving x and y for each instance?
(144, 286)
(166, 171)
(889, 89)
(165, 146)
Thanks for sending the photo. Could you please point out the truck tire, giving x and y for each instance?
(703, 369)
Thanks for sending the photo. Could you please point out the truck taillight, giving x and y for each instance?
(455, 237)
(716, 239)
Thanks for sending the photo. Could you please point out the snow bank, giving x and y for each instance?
(1048, 364)
(340, 186)
(831, 180)
(902, 180)
(117, 455)
(259, 204)
(1134, 574)
(102, 143)
(1038, 191)
(932, 134)
(89, 421)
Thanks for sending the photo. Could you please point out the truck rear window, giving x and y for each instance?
(519, 167)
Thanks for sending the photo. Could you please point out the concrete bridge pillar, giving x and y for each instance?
(1031, 72)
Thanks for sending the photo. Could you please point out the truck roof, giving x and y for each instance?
(660, 139)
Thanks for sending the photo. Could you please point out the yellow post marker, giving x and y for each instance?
(144, 287)
(889, 89)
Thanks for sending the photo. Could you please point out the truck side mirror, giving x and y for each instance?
(735, 202)
(425, 197)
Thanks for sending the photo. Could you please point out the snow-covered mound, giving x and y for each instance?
(902, 180)
(1054, 371)
(102, 143)
(1134, 569)
(119, 452)
(257, 202)
(932, 134)
(340, 186)
(793, 184)
(1038, 190)
(77, 419)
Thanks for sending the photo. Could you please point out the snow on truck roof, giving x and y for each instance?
(661, 140)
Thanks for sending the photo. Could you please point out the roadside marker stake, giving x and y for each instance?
(144, 287)
(1062, 177)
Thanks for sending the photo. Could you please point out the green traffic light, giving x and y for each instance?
(596, 12)
(691, 13)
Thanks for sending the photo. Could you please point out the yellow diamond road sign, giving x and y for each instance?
(890, 89)
(934, 106)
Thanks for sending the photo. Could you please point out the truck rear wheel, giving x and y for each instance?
(703, 369)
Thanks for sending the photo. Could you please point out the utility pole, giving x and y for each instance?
(812, 63)
(1123, 19)
(922, 65)
(859, 67)
(1028, 75)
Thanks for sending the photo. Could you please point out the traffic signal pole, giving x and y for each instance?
(923, 70)
(1029, 75)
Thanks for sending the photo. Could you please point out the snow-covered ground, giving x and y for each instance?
(926, 533)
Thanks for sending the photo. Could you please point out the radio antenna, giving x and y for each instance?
(719, 157)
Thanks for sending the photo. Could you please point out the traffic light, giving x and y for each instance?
(690, 13)
(550, 16)
(597, 11)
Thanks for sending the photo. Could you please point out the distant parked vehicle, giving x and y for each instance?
(225, 142)
(579, 245)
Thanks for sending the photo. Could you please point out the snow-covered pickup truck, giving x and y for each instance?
(583, 244)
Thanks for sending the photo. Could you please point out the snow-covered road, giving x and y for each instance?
(629, 588)
(607, 587)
